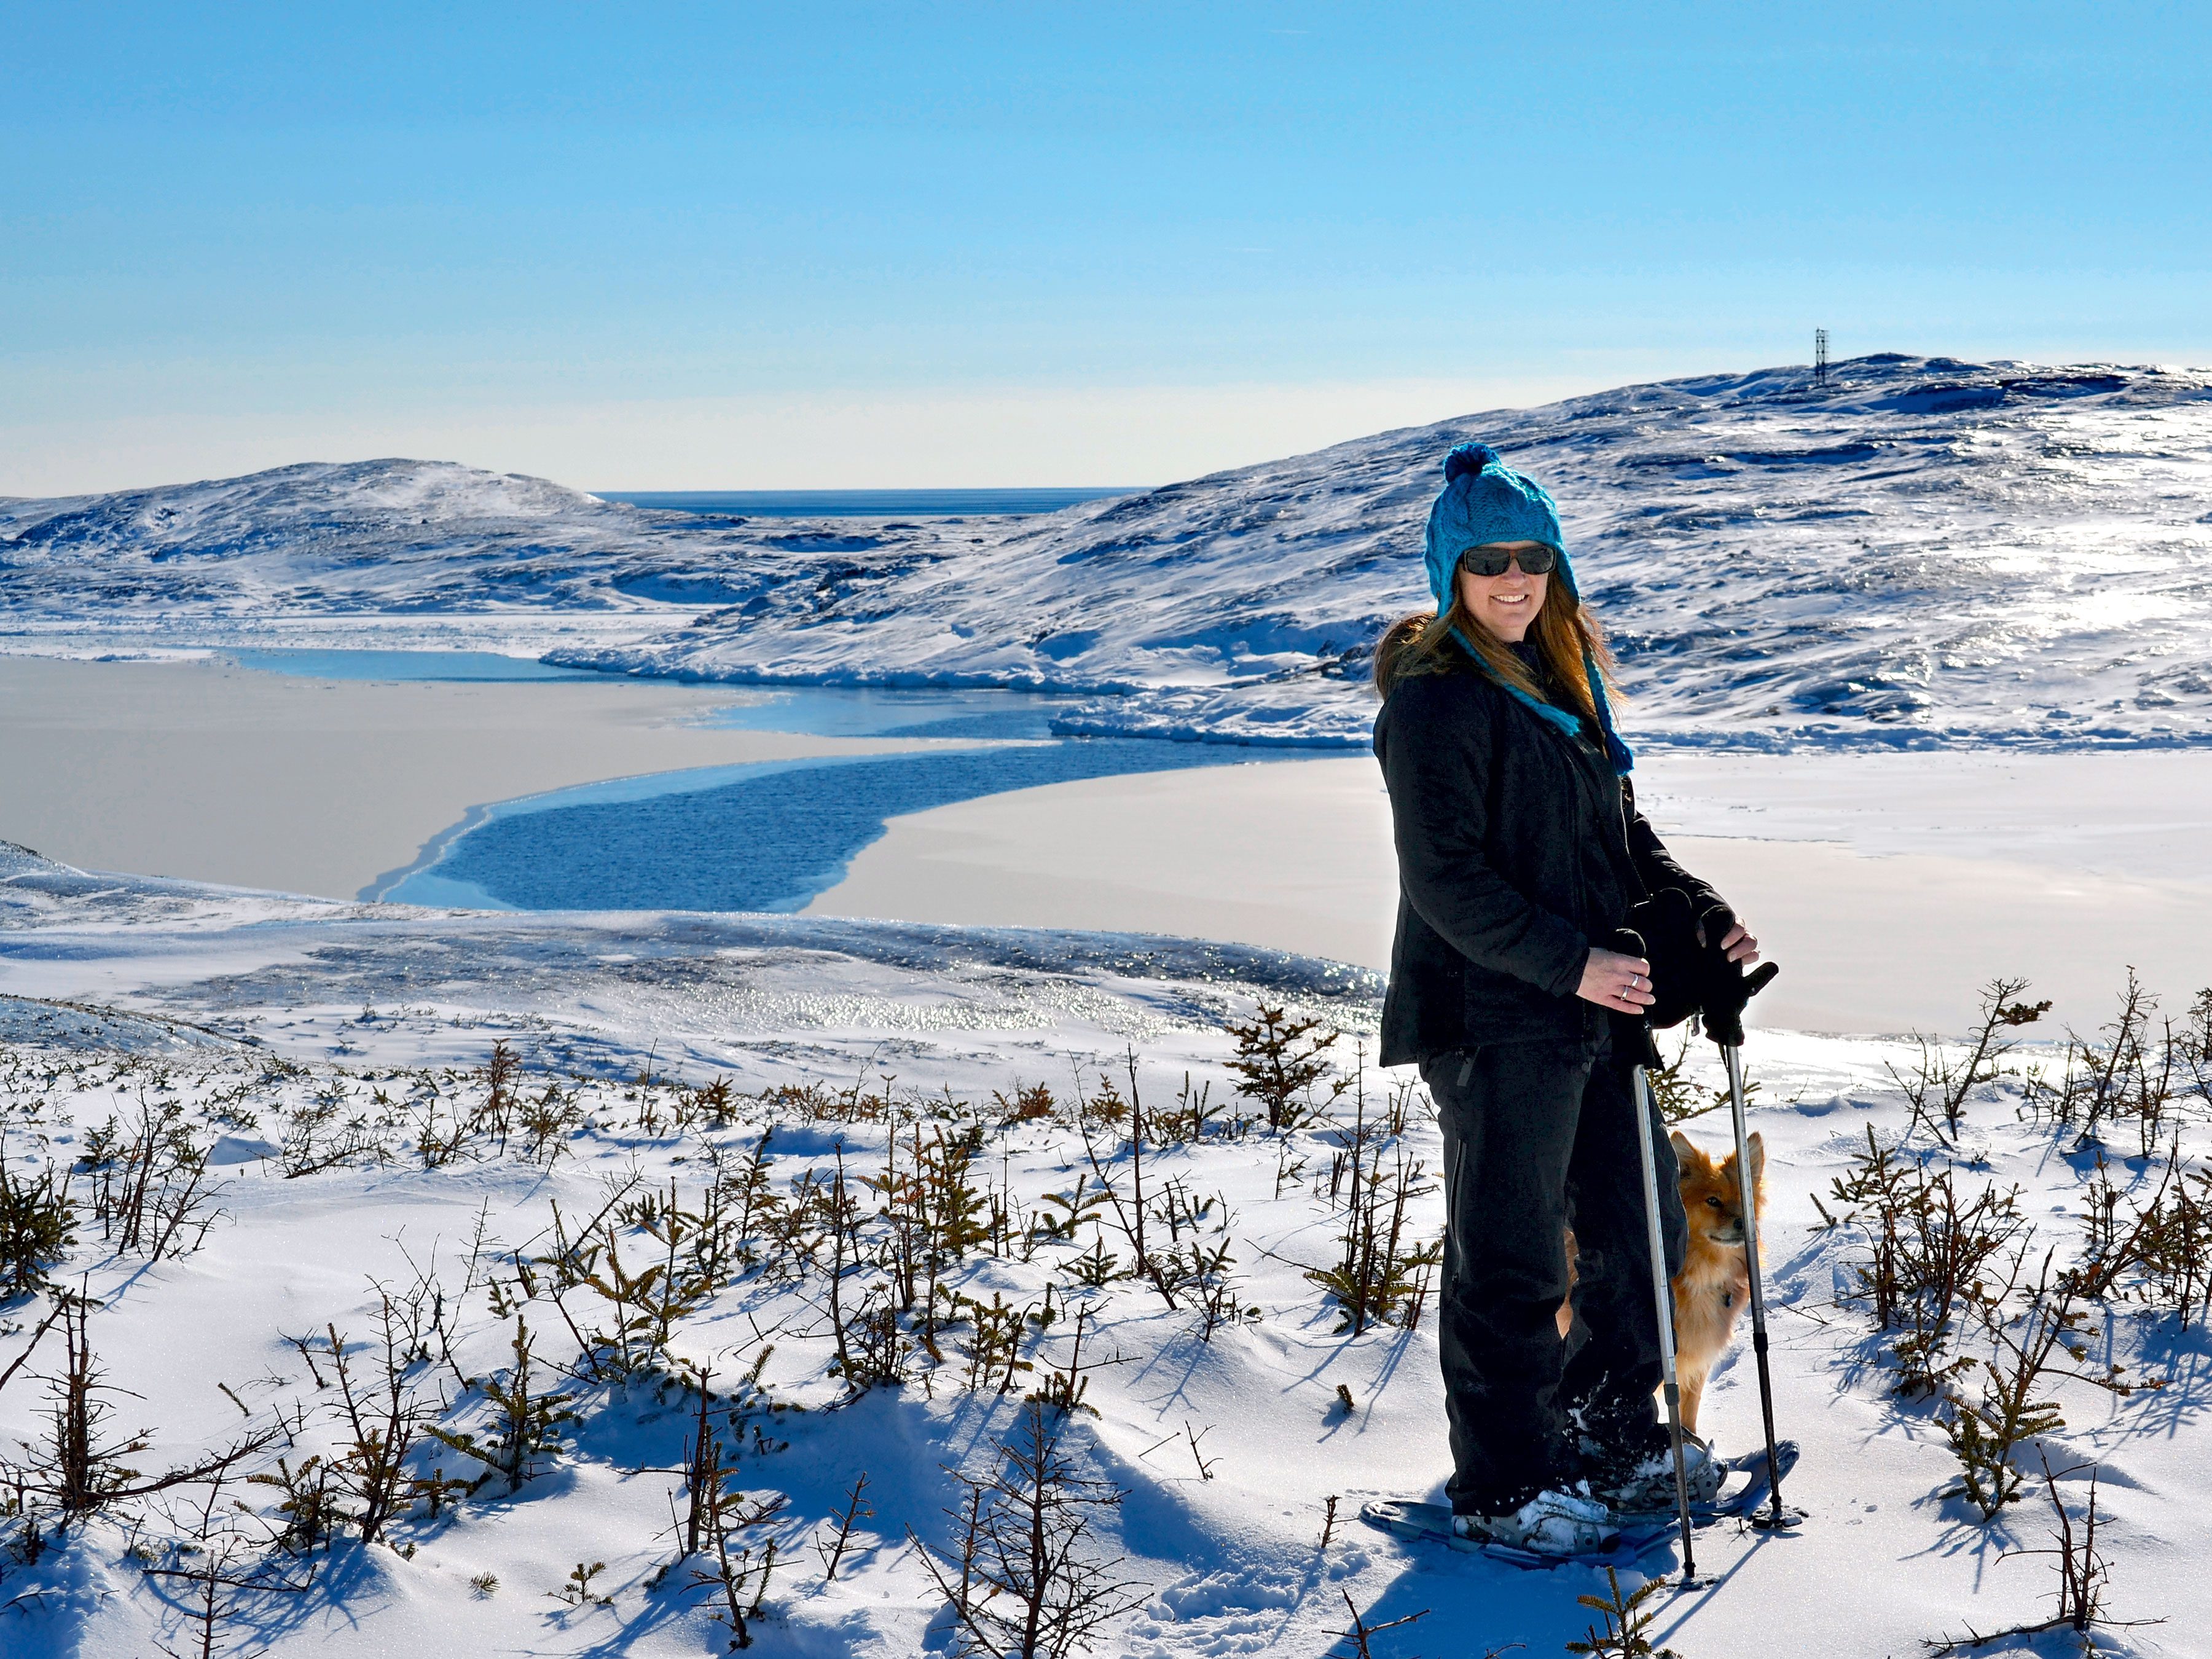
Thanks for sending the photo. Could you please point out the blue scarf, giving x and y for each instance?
(1622, 756)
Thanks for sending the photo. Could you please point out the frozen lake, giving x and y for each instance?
(768, 835)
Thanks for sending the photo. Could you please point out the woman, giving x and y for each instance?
(1520, 854)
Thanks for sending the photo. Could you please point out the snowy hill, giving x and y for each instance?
(1921, 549)
(379, 538)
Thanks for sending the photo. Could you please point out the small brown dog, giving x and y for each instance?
(1716, 1280)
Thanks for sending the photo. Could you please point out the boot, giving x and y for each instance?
(1552, 1523)
(1639, 1480)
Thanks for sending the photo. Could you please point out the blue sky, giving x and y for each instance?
(671, 246)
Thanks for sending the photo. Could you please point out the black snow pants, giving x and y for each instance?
(1539, 1137)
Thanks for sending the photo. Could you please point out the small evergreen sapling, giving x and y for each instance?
(840, 1217)
(37, 1227)
(576, 1589)
(381, 1419)
(151, 1191)
(2083, 1576)
(76, 1465)
(1028, 1581)
(994, 1344)
(2128, 1070)
(219, 1569)
(1062, 1391)
(1279, 1061)
(494, 1115)
(1628, 1622)
(1381, 1275)
(727, 1513)
(2012, 1409)
(1028, 1105)
(1939, 1082)
(1059, 1214)
(1930, 1256)
(1361, 1633)
(310, 1509)
(2172, 1245)
(878, 1354)
(530, 1425)
(1097, 1266)
(832, 1550)
(1130, 1215)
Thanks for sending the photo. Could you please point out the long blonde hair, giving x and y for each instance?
(1563, 632)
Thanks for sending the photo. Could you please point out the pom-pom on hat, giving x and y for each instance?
(1485, 501)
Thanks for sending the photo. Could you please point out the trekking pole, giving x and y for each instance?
(1662, 1292)
(1728, 989)
(1662, 1296)
(1776, 1518)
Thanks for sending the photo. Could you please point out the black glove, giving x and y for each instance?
(1714, 923)
(1722, 987)
(1669, 934)
(1632, 1043)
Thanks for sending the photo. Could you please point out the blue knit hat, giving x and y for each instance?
(1485, 501)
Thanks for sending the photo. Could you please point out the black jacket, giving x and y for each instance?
(1517, 849)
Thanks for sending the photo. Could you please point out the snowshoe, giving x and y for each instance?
(1746, 1486)
(1741, 1498)
(1550, 1527)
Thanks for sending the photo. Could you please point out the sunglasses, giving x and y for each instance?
(1492, 561)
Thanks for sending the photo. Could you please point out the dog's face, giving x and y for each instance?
(1712, 1192)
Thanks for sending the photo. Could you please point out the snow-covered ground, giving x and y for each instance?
(1923, 550)
(1923, 554)
(274, 1028)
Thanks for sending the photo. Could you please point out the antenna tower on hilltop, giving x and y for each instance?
(1819, 356)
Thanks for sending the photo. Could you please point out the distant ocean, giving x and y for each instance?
(862, 503)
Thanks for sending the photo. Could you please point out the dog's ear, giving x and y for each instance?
(1686, 1151)
(1757, 1161)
